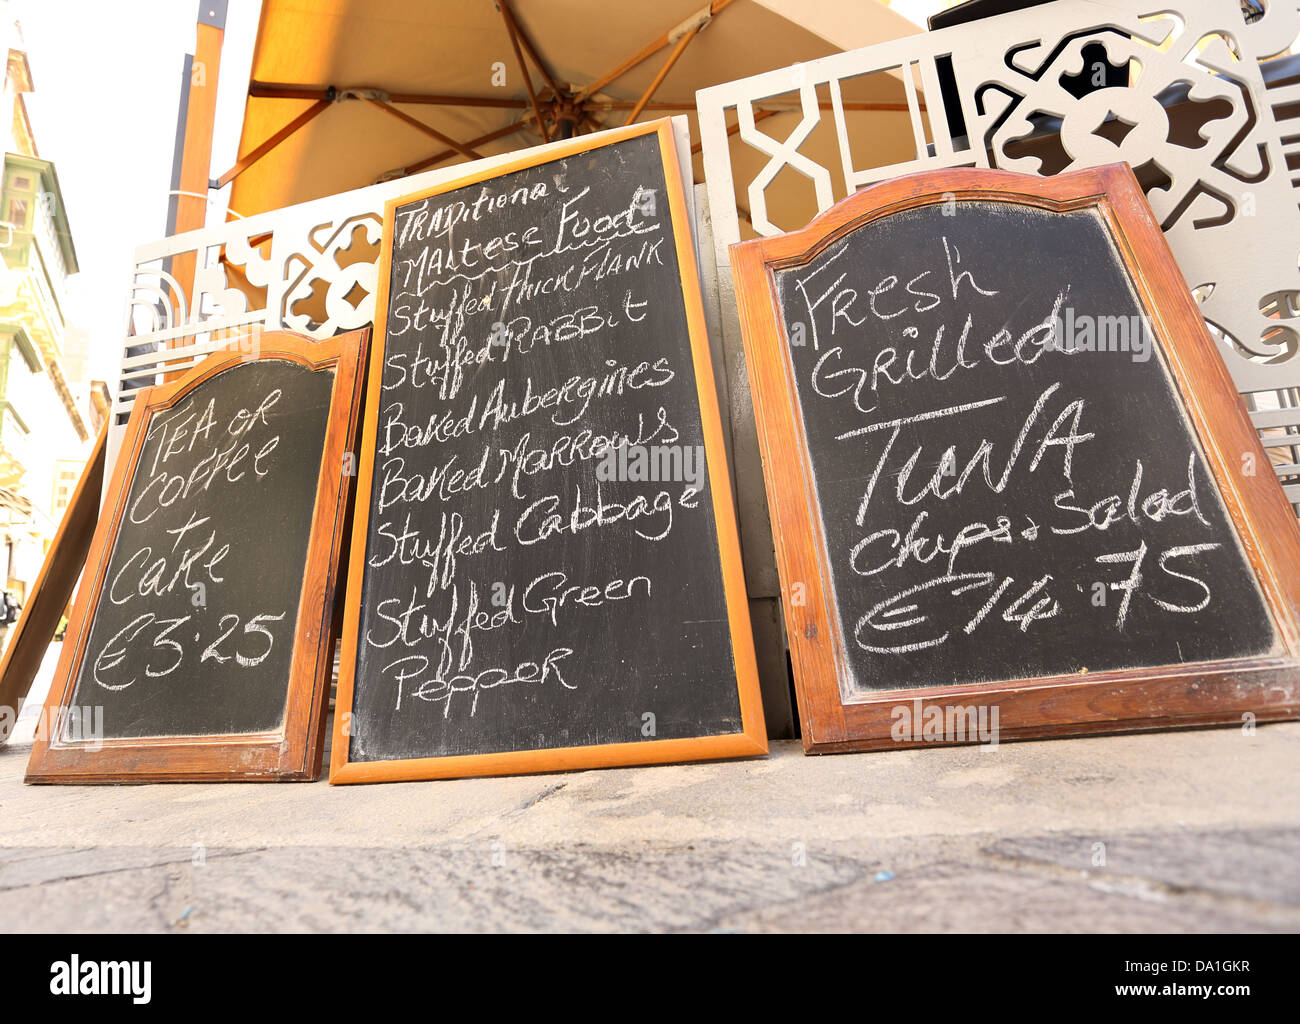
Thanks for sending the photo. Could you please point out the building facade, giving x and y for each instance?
(49, 412)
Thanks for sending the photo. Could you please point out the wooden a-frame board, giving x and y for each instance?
(1223, 690)
(52, 591)
(293, 749)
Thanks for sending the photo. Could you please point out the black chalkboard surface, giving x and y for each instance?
(993, 434)
(548, 572)
(209, 605)
(1039, 511)
(195, 624)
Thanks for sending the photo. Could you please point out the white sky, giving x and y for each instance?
(107, 77)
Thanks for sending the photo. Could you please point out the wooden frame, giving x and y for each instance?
(1196, 694)
(294, 751)
(53, 588)
(752, 740)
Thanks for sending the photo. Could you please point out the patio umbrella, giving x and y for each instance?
(344, 93)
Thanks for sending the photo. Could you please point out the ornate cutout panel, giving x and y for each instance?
(1209, 119)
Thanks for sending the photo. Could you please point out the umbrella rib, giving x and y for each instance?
(442, 155)
(247, 161)
(594, 123)
(663, 73)
(715, 8)
(528, 45)
(504, 8)
(433, 133)
(769, 105)
(611, 105)
(280, 90)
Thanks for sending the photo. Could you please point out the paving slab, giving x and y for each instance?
(1189, 831)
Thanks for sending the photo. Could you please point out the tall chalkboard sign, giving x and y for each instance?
(202, 640)
(1012, 490)
(545, 572)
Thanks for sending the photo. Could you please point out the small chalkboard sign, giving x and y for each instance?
(545, 572)
(202, 640)
(1012, 490)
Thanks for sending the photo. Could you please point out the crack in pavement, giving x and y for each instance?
(56, 879)
(1123, 884)
(494, 828)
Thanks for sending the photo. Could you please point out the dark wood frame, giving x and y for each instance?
(1197, 694)
(752, 739)
(294, 751)
(52, 591)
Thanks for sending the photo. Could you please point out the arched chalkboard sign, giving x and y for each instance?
(201, 644)
(1007, 471)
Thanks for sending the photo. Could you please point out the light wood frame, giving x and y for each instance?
(294, 751)
(752, 739)
(1194, 694)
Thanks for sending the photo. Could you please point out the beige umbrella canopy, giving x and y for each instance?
(348, 92)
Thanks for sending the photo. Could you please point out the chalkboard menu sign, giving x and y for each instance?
(202, 641)
(1012, 490)
(545, 572)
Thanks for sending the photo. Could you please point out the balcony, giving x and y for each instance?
(15, 445)
(37, 251)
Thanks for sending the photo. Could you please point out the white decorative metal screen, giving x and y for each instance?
(1214, 140)
(310, 268)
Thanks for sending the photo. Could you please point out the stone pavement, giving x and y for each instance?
(1184, 831)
